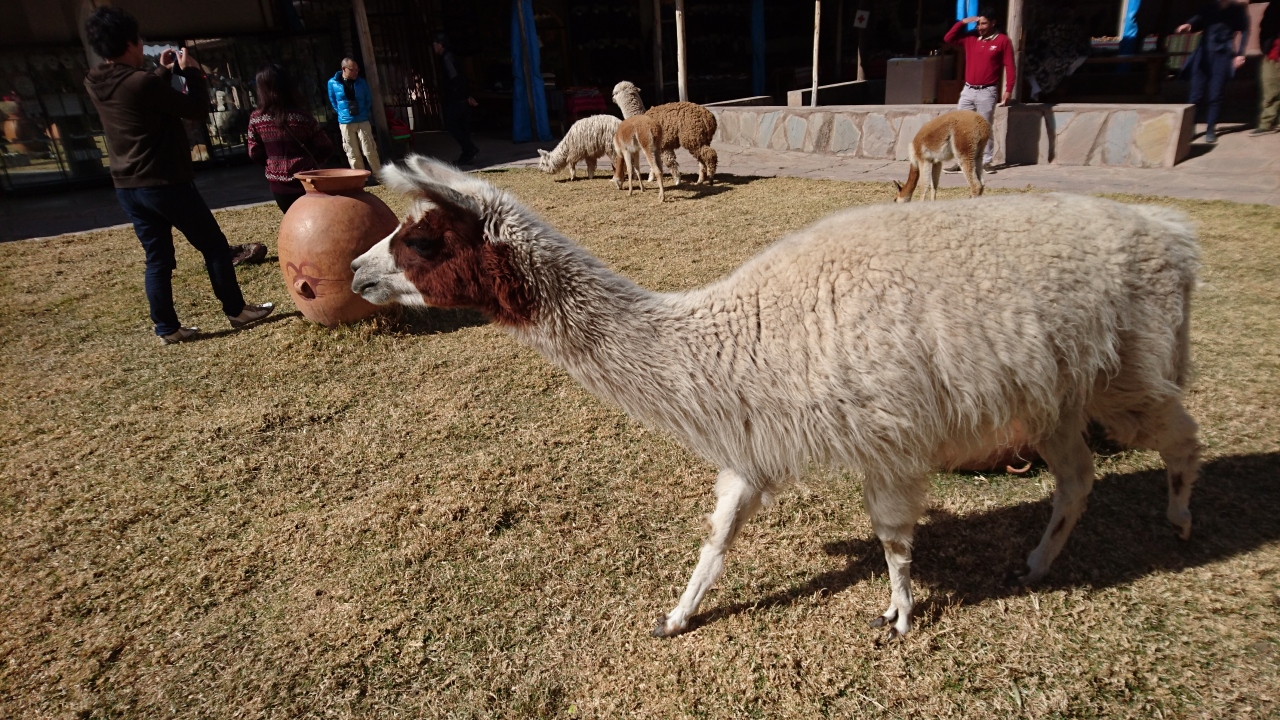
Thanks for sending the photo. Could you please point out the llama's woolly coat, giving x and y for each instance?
(876, 337)
(588, 139)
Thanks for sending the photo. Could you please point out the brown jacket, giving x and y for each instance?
(142, 115)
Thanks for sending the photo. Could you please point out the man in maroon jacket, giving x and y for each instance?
(141, 114)
(987, 51)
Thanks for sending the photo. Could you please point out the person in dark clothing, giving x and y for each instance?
(1225, 28)
(141, 115)
(455, 99)
(284, 136)
(1269, 70)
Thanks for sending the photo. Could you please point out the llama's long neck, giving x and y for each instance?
(630, 104)
(621, 341)
(560, 155)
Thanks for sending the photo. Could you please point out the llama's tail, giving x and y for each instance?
(1179, 235)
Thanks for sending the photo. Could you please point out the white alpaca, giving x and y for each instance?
(588, 139)
(883, 339)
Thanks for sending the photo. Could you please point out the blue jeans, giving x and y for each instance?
(155, 211)
(1209, 77)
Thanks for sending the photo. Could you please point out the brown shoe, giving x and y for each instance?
(251, 314)
(182, 335)
(251, 253)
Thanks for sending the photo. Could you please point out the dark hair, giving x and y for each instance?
(277, 94)
(989, 12)
(442, 39)
(346, 60)
(110, 31)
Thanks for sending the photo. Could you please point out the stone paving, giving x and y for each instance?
(1239, 168)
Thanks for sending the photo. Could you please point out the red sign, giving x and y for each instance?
(860, 18)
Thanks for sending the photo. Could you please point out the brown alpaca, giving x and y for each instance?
(684, 124)
(959, 135)
(637, 134)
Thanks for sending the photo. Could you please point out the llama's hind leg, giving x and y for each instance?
(591, 168)
(1071, 462)
(895, 505)
(935, 176)
(671, 166)
(736, 501)
(1170, 431)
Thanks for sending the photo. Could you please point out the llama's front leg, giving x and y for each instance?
(1071, 462)
(935, 176)
(895, 505)
(671, 166)
(736, 501)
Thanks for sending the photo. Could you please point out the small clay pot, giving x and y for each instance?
(335, 222)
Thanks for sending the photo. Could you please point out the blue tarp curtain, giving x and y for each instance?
(528, 113)
(966, 8)
(1129, 36)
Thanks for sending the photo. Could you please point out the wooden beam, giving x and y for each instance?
(682, 71)
(1016, 33)
(817, 26)
(371, 76)
(839, 40)
(658, 97)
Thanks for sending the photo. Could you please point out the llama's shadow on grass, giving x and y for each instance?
(431, 321)
(1123, 536)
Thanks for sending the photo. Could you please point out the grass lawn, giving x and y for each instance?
(418, 517)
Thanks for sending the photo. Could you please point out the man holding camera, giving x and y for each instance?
(141, 114)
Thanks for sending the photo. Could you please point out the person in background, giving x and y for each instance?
(455, 100)
(141, 114)
(1225, 27)
(350, 97)
(1269, 71)
(987, 51)
(284, 136)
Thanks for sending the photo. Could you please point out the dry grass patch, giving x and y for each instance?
(418, 517)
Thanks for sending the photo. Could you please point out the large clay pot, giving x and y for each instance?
(1007, 451)
(332, 224)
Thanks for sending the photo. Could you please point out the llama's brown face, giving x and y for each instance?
(441, 259)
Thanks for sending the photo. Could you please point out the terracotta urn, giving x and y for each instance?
(1007, 451)
(324, 230)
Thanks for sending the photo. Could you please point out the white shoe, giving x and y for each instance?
(251, 314)
(181, 335)
(951, 170)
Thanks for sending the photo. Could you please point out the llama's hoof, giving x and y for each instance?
(1181, 522)
(666, 629)
(1025, 576)
(880, 621)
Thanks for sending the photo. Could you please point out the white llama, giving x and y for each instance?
(588, 139)
(883, 339)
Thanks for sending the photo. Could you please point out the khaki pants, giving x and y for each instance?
(1269, 81)
(362, 133)
(982, 101)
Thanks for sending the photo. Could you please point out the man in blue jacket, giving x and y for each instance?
(350, 97)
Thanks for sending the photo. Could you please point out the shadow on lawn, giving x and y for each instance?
(433, 321)
(1122, 536)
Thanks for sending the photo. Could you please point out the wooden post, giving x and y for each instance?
(839, 38)
(371, 76)
(1015, 36)
(658, 97)
(682, 71)
(817, 26)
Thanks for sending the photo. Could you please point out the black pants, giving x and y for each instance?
(285, 200)
(1209, 77)
(155, 212)
(455, 123)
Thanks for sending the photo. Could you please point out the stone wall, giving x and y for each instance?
(1068, 134)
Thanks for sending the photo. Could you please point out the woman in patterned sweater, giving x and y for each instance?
(284, 136)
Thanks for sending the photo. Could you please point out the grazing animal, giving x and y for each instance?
(960, 135)
(636, 134)
(588, 139)
(884, 339)
(684, 124)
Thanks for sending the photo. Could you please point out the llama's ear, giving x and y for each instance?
(543, 153)
(423, 177)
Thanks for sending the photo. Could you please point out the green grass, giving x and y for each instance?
(416, 516)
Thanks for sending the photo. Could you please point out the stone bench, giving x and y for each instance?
(1067, 134)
